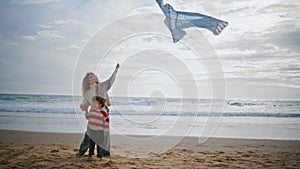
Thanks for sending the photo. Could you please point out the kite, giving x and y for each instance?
(176, 21)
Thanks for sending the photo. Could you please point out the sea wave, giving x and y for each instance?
(171, 113)
(59, 104)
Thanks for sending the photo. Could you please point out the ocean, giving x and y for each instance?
(267, 119)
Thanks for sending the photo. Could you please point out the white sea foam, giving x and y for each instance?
(157, 116)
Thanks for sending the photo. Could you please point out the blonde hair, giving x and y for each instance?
(86, 84)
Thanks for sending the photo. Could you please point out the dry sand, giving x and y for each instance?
(52, 150)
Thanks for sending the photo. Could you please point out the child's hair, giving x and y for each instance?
(100, 99)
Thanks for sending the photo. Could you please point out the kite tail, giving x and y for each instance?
(214, 25)
(219, 27)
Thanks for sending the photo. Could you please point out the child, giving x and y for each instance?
(99, 126)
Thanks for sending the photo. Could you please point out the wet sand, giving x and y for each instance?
(20, 149)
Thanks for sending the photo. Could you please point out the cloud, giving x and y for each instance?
(10, 43)
(50, 34)
(74, 46)
(61, 21)
(258, 50)
(278, 9)
(43, 26)
(28, 37)
(268, 50)
(28, 2)
(252, 88)
(71, 46)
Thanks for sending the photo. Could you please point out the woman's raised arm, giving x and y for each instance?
(108, 83)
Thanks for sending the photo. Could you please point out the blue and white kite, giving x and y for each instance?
(176, 21)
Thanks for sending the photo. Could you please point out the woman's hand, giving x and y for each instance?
(118, 66)
(84, 107)
(86, 114)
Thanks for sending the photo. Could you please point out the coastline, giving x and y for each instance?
(59, 149)
(228, 127)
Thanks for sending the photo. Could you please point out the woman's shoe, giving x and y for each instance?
(106, 154)
(79, 155)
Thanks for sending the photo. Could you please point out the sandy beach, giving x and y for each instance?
(20, 149)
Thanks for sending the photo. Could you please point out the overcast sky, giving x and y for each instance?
(40, 41)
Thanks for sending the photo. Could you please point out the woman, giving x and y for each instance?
(91, 87)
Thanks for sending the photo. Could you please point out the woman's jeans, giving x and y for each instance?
(84, 145)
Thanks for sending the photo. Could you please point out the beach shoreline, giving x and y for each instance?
(74, 139)
(59, 150)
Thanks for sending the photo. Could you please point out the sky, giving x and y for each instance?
(47, 46)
